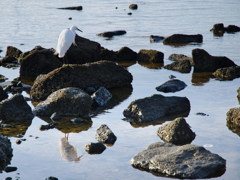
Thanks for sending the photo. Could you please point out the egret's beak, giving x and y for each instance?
(79, 29)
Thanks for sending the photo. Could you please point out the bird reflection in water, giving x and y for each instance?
(67, 151)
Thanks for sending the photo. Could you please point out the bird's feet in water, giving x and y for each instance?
(69, 65)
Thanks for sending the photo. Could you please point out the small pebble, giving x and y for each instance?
(129, 13)
(18, 141)
(70, 18)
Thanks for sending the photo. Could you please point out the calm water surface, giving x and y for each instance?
(25, 24)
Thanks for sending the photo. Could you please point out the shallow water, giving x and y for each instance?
(32, 23)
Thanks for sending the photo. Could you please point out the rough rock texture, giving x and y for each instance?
(233, 116)
(15, 109)
(3, 94)
(227, 73)
(95, 148)
(172, 85)
(154, 39)
(5, 152)
(177, 132)
(184, 162)
(105, 135)
(145, 55)
(133, 6)
(155, 107)
(183, 39)
(204, 62)
(39, 62)
(85, 51)
(101, 96)
(110, 34)
(182, 66)
(102, 73)
(65, 102)
(180, 57)
(13, 52)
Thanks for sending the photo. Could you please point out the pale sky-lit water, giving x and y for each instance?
(34, 23)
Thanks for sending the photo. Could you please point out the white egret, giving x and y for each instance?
(65, 40)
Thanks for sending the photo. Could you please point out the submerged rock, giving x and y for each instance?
(156, 107)
(105, 135)
(154, 39)
(154, 56)
(228, 73)
(183, 39)
(110, 34)
(204, 62)
(5, 152)
(133, 6)
(177, 132)
(172, 85)
(184, 162)
(65, 102)
(102, 73)
(95, 148)
(15, 109)
(73, 8)
(219, 29)
(182, 66)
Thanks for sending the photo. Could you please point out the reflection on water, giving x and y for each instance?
(67, 151)
(200, 78)
(150, 65)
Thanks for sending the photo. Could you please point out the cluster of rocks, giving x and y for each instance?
(219, 29)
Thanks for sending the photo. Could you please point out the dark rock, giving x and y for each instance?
(154, 39)
(204, 62)
(5, 152)
(19, 86)
(177, 132)
(129, 13)
(133, 6)
(47, 127)
(39, 62)
(10, 169)
(13, 52)
(55, 117)
(109, 55)
(182, 66)
(2, 78)
(15, 109)
(77, 120)
(202, 114)
(73, 8)
(9, 59)
(173, 85)
(65, 102)
(156, 107)
(90, 90)
(101, 96)
(183, 162)
(3, 94)
(102, 73)
(95, 148)
(154, 56)
(18, 141)
(183, 39)
(180, 57)
(105, 135)
(86, 51)
(228, 73)
(172, 77)
(110, 34)
(232, 29)
(218, 29)
(127, 54)
(238, 96)
(51, 178)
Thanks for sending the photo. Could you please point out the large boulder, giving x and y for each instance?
(204, 62)
(172, 85)
(184, 162)
(65, 102)
(156, 107)
(183, 39)
(228, 73)
(182, 66)
(39, 62)
(102, 73)
(177, 132)
(5, 152)
(145, 55)
(85, 51)
(15, 109)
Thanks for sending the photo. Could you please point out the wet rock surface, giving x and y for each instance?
(66, 102)
(102, 73)
(156, 107)
(145, 55)
(105, 135)
(15, 109)
(228, 73)
(184, 162)
(110, 34)
(182, 66)
(177, 132)
(183, 39)
(5, 152)
(204, 62)
(95, 148)
(180, 57)
(172, 85)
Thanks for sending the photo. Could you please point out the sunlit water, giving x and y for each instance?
(25, 24)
